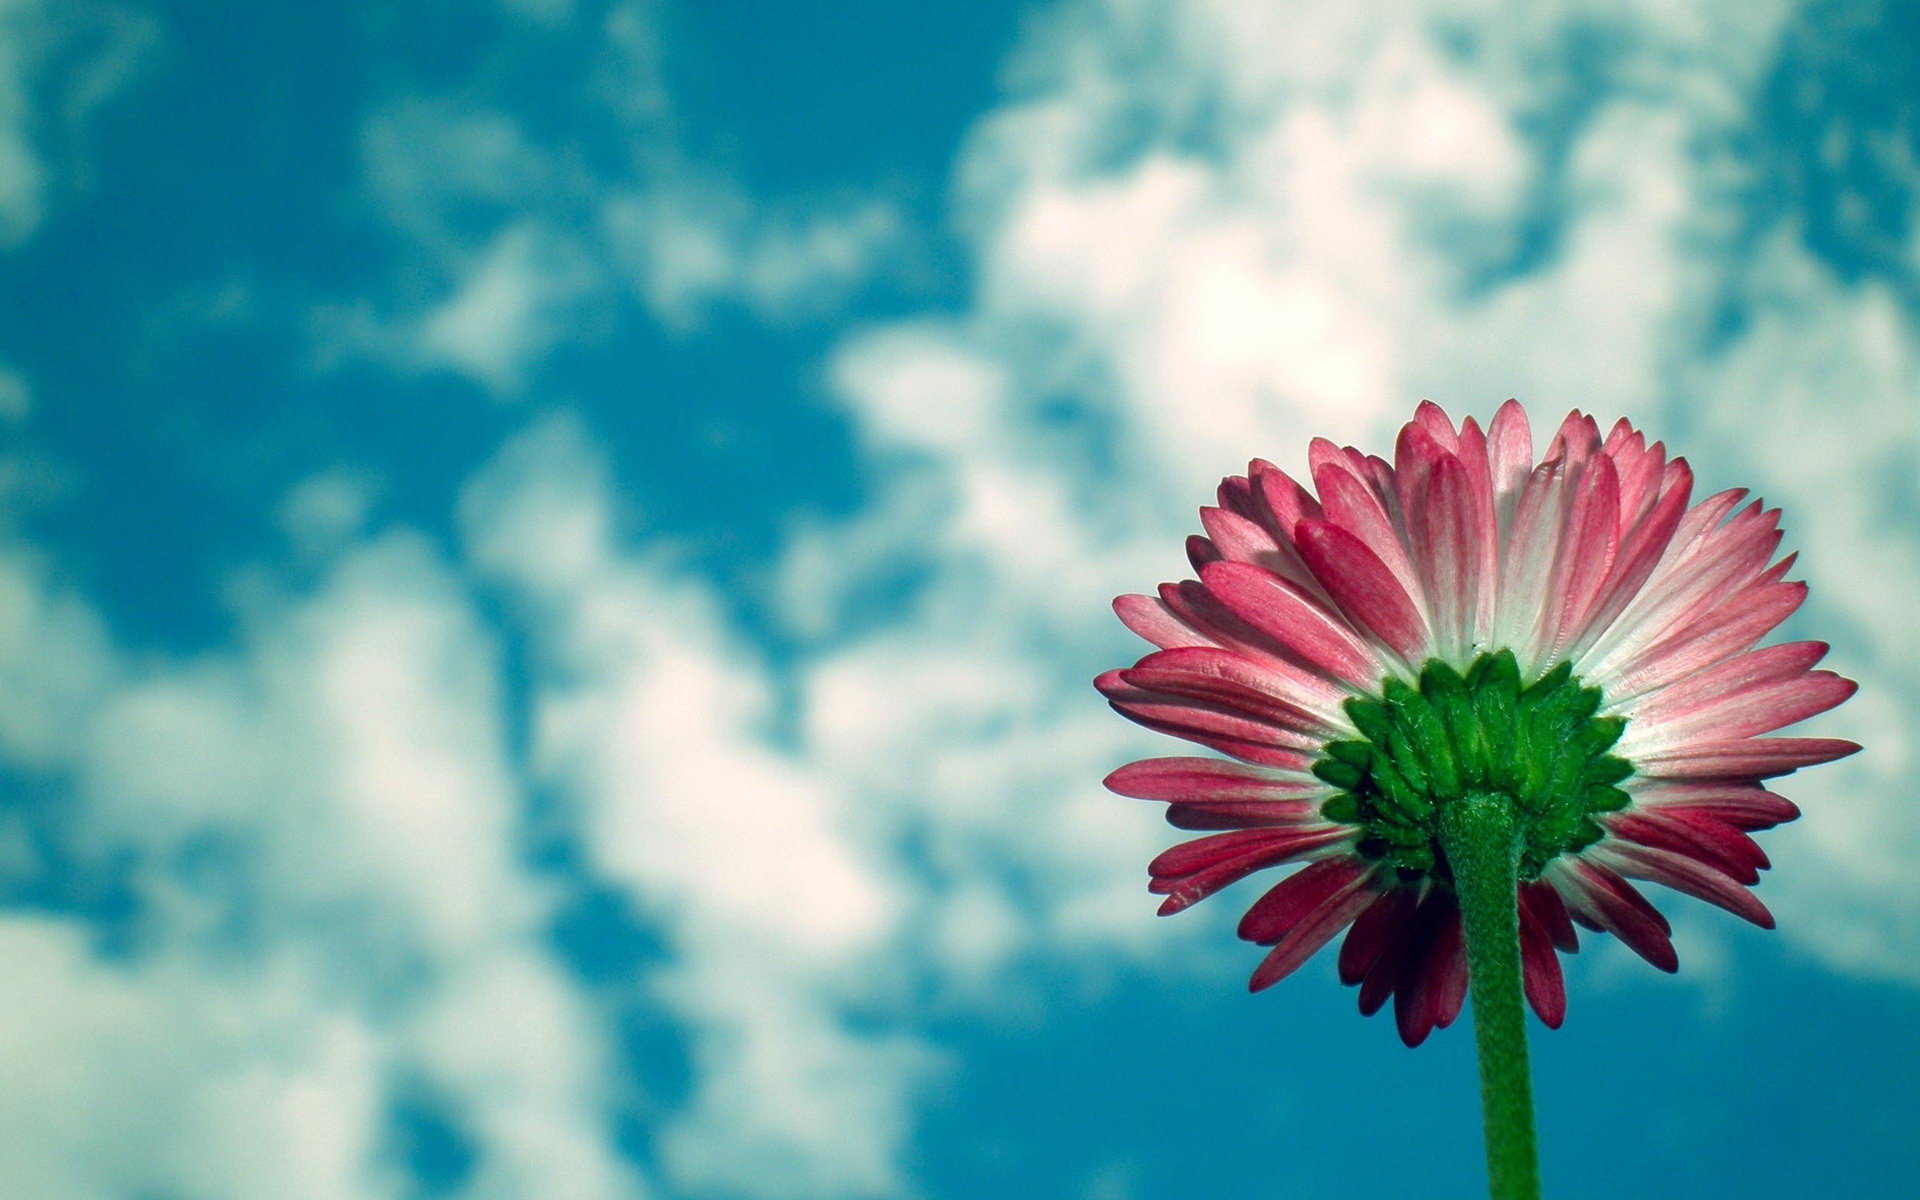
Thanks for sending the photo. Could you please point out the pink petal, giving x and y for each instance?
(1528, 562)
(1747, 758)
(1223, 679)
(1703, 689)
(1293, 621)
(1240, 718)
(1737, 623)
(1199, 780)
(1150, 617)
(1201, 551)
(1762, 709)
(1356, 508)
(1283, 501)
(1641, 549)
(1588, 543)
(1434, 420)
(1201, 610)
(1510, 456)
(1240, 539)
(1363, 587)
(1231, 733)
(1483, 524)
(1450, 555)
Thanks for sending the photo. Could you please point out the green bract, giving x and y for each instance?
(1421, 750)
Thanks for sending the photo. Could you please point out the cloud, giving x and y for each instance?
(515, 242)
(58, 65)
(657, 730)
(318, 834)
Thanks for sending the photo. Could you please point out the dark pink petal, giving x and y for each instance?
(1358, 509)
(1375, 930)
(1289, 901)
(1243, 814)
(1283, 502)
(1312, 932)
(1201, 610)
(1684, 874)
(1424, 991)
(1182, 890)
(1596, 893)
(1747, 758)
(1719, 846)
(1201, 551)
(1190, 780)
(1230, 681)
(1363, 587)
(1383, 977)
(1741, 805)
(1294, 621)
(1239, 719)
(1543, 906)
(1540, 972)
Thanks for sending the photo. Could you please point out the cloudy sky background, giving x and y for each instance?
(552, 555)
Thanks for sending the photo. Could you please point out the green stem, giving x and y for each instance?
(1478, 834)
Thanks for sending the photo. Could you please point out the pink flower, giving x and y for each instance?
(1572, 634)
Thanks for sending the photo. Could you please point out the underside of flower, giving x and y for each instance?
(1423, 748)
(1570, 640)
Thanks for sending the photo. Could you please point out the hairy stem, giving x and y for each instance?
(1479, 837)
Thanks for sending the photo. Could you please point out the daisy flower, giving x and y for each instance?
(1470, 673)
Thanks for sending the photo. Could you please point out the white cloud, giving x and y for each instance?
(320, 831)
(783, 908)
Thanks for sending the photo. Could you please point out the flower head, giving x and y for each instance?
(1573, 635)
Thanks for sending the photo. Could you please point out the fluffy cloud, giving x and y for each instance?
(783, 914)
(318, 833)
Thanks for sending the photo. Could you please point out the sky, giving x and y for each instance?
(552, 556)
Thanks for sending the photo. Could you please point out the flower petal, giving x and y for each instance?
(1363, 587)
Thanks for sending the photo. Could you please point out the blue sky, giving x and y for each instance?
(551, 555)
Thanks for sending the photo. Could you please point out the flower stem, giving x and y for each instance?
(1479, 837)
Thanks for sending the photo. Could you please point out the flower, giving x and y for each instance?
(1573, 635)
